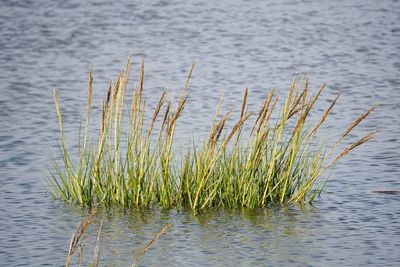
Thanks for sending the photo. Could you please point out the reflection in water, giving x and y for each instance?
(272, 233)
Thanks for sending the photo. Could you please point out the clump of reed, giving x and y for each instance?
(133, 163)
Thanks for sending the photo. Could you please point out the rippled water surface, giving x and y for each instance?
(354, 45)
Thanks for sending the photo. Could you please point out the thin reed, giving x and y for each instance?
(78, 239)
(259, 161)
(140, 253)
(78, 242)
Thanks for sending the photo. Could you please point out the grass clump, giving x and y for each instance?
(133, 163)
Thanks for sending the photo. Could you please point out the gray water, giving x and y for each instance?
(353, 45)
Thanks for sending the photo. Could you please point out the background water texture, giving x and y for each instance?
(353, 45)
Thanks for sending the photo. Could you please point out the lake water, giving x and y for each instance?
(353, 45)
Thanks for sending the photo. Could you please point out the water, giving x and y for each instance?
(354, 45)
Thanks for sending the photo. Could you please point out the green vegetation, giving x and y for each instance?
(133, 163)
